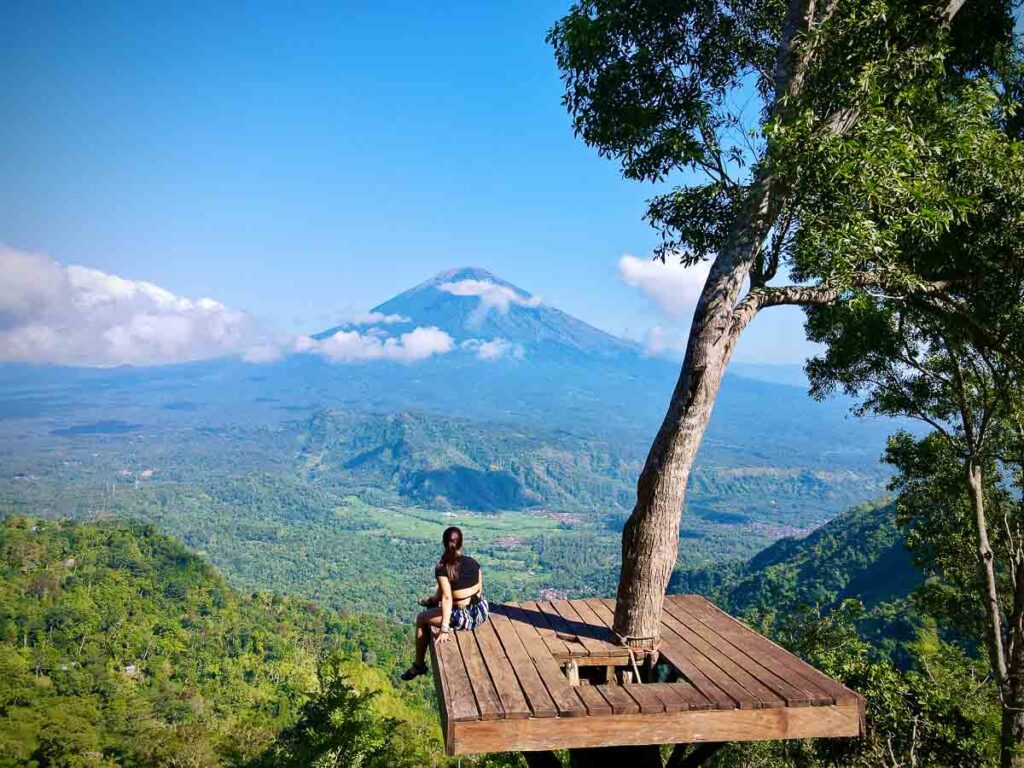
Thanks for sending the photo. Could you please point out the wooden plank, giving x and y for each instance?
(649, 703)
(595, 703)
(621, 702)
(602, 630)
(670, 698)
(563, 694)
(461, 701)
(730, 642)
(618, 660)
(575, 647)
(765, 649)
(533, 687)
(441, 686)
(678, 696)
(602, 611)
(694, 698)
(534, 615)
(618, 655)
(636, 729)
(479, 678)
(731, 661)
(692, 665)
(585, 632)
(513, 703)
(755, 692)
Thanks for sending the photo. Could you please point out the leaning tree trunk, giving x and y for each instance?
(650, 539)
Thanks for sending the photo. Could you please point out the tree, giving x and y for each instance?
(859, 103)
(929, 715)
(955, 367)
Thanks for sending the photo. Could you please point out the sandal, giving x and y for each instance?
(414, 671)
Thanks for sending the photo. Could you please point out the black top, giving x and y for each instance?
(469, 573)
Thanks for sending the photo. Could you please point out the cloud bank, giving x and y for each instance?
(72, 315)
(673, 287)
(495, 349)
(353, 346)
(491, 295)
(373, 318)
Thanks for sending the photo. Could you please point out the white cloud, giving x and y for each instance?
(374, 318)
(665, 342)
(352, 346)
(673, 287)
(491, 295)
(263, 353)
(74, 315)
(493, 349)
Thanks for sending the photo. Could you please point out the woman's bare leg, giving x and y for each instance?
(426, 620)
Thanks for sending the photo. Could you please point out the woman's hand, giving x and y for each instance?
(444, 637)
(426, 602)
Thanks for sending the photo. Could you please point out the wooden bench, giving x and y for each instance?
(511, 684)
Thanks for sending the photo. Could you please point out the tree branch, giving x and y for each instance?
(817, 295)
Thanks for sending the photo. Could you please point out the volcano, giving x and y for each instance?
(476, 307)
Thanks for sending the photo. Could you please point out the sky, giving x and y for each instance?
(299, 165)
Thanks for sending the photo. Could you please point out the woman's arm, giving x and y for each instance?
(434, 599)
(445, 588)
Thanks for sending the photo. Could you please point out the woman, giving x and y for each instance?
(458, 602)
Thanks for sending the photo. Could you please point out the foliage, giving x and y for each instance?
(342, 727)
(942, 712)
(861, 555)
(120, 647)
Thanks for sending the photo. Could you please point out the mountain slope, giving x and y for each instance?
(471, 303)
(860, 554)
(120, 647)
(444, 462)
(769, 447)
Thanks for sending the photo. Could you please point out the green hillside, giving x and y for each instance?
(456, 463)
(860, 555)
(119, 647)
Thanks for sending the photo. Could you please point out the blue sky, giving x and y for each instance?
(302, 163)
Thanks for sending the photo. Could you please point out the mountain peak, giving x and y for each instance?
(467, 273)
(474, 305)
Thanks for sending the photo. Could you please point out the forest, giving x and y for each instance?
(186, 583)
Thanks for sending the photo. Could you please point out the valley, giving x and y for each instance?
(302, 475)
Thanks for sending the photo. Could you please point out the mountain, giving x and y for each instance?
(118, 646)
(471, 303)
(517, 364)
(859, 554)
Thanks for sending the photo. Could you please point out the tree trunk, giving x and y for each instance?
(1011, 747)
(650, 539)
(986, 563)
(1012, 736)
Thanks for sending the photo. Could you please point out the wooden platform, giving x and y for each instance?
(504, 686)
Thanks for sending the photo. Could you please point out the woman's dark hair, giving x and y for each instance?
(452, 540)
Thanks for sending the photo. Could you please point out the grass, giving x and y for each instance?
(418, 523)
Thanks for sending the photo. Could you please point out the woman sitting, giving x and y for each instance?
(458, 602)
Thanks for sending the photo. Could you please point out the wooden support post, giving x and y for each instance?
(610, 674)
(572, 671)
(542, 760)
(616, 757)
